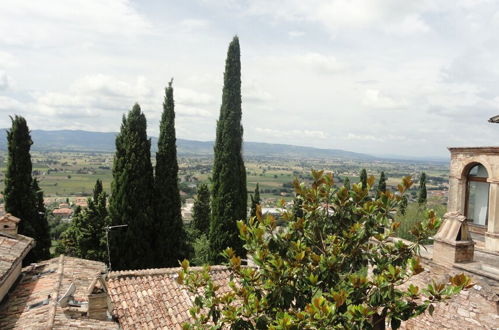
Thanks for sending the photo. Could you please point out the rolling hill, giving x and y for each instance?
(77, 140)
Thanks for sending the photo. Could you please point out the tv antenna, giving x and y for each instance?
(65, 300)
(108, 229)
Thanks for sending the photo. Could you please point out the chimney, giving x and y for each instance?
(453, 242)
(8, 224)
(98, 299)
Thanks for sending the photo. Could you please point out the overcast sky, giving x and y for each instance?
(374, 76)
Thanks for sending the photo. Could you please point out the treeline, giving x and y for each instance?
(140, 224)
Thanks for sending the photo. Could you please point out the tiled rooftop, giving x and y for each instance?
(32, 304)
(12, 249)
(152, 298)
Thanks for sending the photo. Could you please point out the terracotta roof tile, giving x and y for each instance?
(152, 298)
(49, 280)
(13, 248)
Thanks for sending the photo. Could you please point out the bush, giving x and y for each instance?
(335, 267)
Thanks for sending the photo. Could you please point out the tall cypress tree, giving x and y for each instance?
(346, 182)
(132, 195)
(422, 195)
(363, 178)
(381, 184)
(42, 237)
(21, 193)
(170, 239)
(255, 200)
(229, 202)
(201, 212)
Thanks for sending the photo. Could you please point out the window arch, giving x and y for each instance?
(477, 195)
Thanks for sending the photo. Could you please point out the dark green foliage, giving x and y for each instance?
(422, 189)
(229, 195)
(255, 200)
(42, 237)
(297, 208)
(97, 190)
(403, 205)
(86, 236)
(201, 212)
(170, 239)
(363, 178)
(381, 184)
(311, 274)
(346, 183)
(132, 195)
(22, 195)
(201, 250)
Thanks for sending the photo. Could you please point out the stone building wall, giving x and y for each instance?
(475, 308)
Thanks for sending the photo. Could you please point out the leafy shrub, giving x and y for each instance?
(336, 267)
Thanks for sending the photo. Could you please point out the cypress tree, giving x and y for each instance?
(42, 237)
(98, 189)
(21, 192)
(363, 178)
(92, 240)
(132, 195)
(422, 189)
(170, 240)
(201, 213)
(229, 202)
(346, 182)
(381, 184)
(255, 200)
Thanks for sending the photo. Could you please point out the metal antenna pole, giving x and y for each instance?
(108, 228)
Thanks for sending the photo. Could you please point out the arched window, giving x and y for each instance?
(477, 196)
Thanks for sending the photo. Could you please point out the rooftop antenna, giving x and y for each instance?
(108, 229)
(64, 301)
(494, 119)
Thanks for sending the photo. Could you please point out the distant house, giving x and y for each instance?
(187, 210)
(64, 213)
(81, 202)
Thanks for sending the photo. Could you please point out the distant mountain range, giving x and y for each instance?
(76, 140)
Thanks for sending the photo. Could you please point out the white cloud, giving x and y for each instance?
(191, 97)
(320, 62)
(70, 21)
(294, 133)
(296, 34)
(328, 71)
(10, 104)
(4, 81)
(375, 99)
(192, 24)
(7, 60)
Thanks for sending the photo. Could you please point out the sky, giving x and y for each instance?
(383, 77)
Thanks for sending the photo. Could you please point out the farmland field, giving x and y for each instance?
(66, 174)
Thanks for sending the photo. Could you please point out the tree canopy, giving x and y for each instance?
(170, 242)
(22, 195)
(131, 201)
(338, 266)
(229, 194)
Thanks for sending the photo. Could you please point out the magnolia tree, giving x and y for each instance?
(337, 266)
